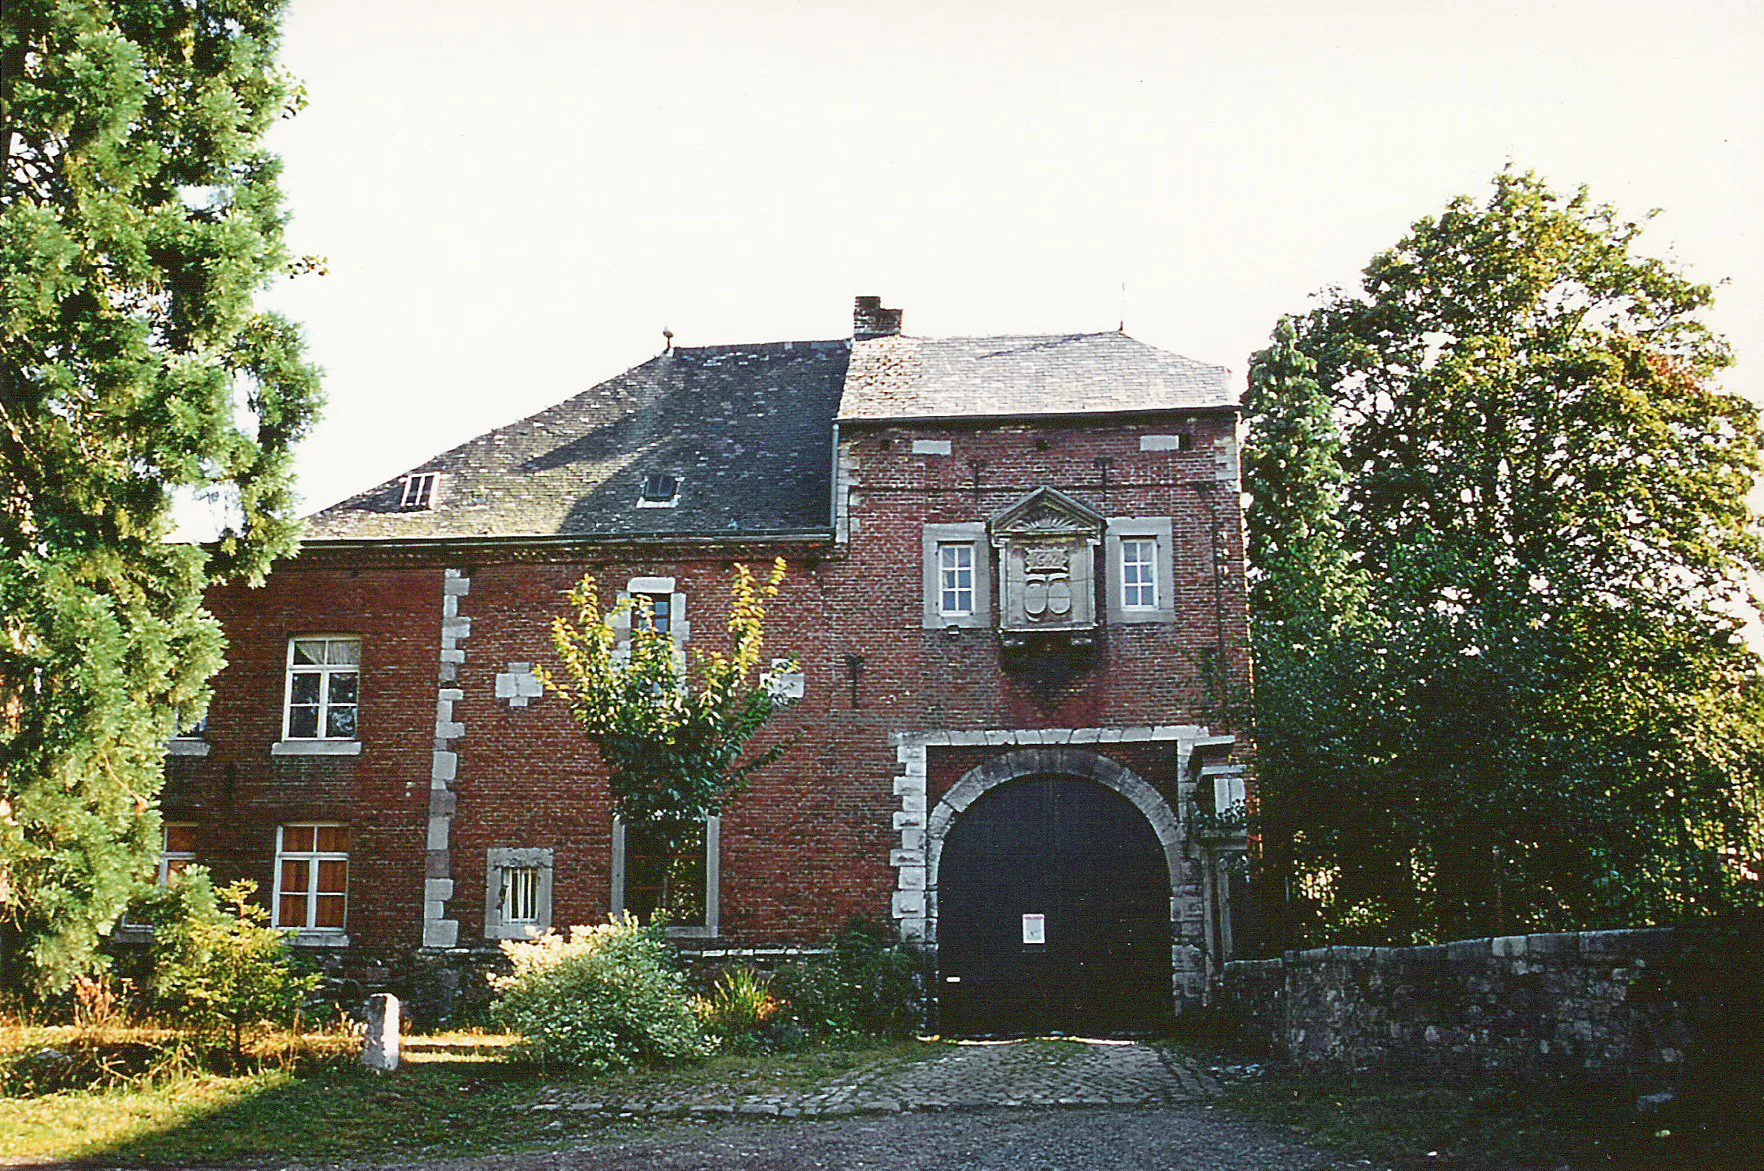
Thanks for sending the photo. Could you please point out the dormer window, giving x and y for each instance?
(419, 491)
(660, 490)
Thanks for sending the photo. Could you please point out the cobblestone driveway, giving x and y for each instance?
(960, 1076)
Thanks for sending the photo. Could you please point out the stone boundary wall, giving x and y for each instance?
(1639, 1003)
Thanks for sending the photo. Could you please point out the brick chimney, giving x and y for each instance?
(869, 319)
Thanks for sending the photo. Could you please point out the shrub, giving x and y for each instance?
(606, 998)
(864, 985)
(225, 968)
(741, 1001)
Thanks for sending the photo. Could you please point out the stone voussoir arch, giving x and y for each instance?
(1029, 762)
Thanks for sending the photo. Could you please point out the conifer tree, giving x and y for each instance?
(141, 214)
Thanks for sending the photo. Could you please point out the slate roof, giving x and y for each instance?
(902, 377)
(748, 429)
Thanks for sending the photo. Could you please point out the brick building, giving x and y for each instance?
(1016, 603)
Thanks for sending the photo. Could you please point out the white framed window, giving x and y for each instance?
(420, 490)
(517, 893)
(323, 700)
(312, 877)
(682, 878)
(1141, 581)
(955, 579)
(177, 849)
(958, 568)
(1139, 573)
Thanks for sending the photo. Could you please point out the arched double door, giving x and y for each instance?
(1053, 913)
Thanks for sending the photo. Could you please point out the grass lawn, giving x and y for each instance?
(1488, 1123)
(446, 1100)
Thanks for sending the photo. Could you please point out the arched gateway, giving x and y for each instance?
(1050, 896)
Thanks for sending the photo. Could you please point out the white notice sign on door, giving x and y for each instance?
(1034, 928)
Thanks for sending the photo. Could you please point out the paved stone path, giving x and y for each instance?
(960, 1076)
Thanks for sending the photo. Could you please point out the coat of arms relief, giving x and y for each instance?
(1046, 546)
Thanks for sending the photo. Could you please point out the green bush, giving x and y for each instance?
(740, 1003)
(605, 998)
(224, 968)
(863, 985)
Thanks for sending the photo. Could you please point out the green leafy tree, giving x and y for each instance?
(1501, 539)
(218, 964)
(674, 736)
(141, 215)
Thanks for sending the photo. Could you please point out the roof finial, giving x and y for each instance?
(1122, 328)
(667, 340)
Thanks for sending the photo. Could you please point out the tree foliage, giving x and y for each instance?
(141, 215)
(1501, 537)
(674, 737)
(217, 962)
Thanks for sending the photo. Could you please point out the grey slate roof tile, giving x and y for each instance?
(748, 429)
(903, 377)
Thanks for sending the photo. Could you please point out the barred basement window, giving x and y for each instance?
(312, 877)
(520, 895)
(419, 491)
(517, 891)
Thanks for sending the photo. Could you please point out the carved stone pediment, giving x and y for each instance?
(1046, 543)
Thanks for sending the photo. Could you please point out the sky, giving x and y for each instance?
(514, 199)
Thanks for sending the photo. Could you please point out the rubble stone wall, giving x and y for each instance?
(1640, 1002)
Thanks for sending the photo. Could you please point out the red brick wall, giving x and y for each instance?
(239, 793)
(808, 847)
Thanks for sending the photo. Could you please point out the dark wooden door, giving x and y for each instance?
(1082, 857)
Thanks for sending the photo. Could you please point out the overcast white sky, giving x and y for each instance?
(516, 197)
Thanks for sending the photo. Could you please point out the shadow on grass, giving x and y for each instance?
(440, 1104)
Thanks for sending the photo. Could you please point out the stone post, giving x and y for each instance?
(381, 1051)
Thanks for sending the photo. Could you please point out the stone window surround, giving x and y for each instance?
(1160, 529)
(496, 860)
(678, 627)
(1071, 751)
(713, 850)
(952, 534)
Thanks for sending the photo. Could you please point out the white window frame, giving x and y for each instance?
(713, 848)
(498, 861)
(935, 538)
(1146, 573)
(1140, 528)
(167, 855)
(949, 584)
(324, 671)
(312, 857)
(421, 490)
